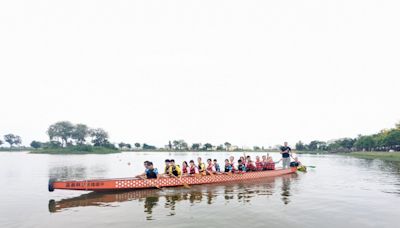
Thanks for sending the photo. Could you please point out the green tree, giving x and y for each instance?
(61, 130)
(207, 146)
(137, 145)
(36, 144)
(227, 145)
(392, 138)
(195, 146)
(175, 143)
(79, 133)
(148, 147)
(300, 146)
(1, 142)
(314, 145)
(12, 139)
(365, 142)
(99, 137)
(121, 145)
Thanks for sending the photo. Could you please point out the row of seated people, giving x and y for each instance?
(245, 164)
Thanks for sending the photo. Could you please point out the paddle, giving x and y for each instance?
(311, 166)
(186, 185)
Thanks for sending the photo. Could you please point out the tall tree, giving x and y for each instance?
(195, 146)
(365, 143)
(121, 145)
(300, 146)
(207, 146)
(61, 130)
(99, 137)
(12, 139)
(176, 144)
(393, 138)
(227, 145)
(79, 133)
(137, 145)
(1, 142)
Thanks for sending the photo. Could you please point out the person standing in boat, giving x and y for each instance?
(285, 151)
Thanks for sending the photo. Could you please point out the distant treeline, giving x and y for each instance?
(66, 136)
(385, 140)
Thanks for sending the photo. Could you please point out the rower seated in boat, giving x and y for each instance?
(145, 164)
(259, 164)
(295, 163)
(250, 165)
(166, 169)
(228, 166)
(192, 169)
(232, 162)
(270, 164)
(216, 165)
(174, 170)
(151, 172)
(210, 167)
(185, 168)
(241, 166)
(201, 166)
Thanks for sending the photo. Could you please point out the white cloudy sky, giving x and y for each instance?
(248, 72)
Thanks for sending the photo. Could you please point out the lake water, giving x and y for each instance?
(340, 192)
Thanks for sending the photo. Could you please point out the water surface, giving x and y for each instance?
(341, 191)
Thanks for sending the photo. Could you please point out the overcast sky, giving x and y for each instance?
(248, 72)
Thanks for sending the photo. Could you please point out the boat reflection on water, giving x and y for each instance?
(241, 192)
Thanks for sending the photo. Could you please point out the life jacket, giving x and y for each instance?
(210, 168)
(250, 166)
(166, 169)
(174, 170)
(217, 168)
(184, 169)
(270, 166)
(228, 168)
(151, 173)
(264, 164)
(241, 168)
(192, 170)
(294, 164)
(259, 166)
(202, 167)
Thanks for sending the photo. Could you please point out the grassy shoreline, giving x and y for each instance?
(386, 156)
